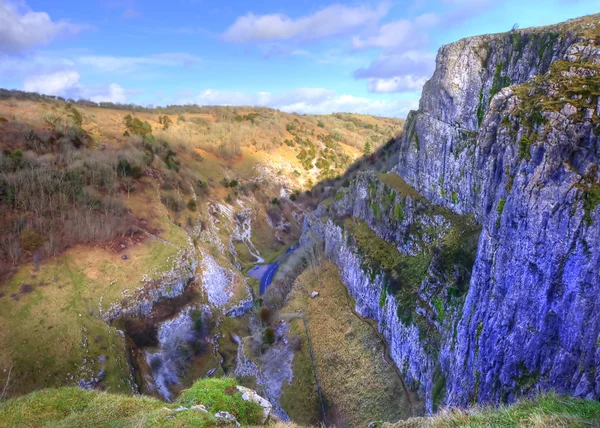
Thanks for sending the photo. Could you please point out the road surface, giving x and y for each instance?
(266, 273)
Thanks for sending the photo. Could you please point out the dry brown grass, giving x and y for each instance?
(359, 386)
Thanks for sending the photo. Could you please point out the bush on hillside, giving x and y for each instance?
(264, 314)
(269, 336)
(136, 127)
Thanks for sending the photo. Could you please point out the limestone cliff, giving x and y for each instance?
(507, 130)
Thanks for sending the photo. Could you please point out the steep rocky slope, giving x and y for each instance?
(507, 131)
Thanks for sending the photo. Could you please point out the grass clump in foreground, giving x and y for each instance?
(78, 407)
(548, 410)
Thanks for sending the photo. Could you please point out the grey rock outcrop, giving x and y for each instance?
(168, 284)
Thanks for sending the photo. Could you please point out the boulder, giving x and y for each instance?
(226, 416)
(251, 395)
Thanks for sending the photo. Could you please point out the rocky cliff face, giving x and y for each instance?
(407, 264)
(508, 130)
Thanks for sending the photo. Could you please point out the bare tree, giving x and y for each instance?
(13, 247)
(129, 185)
(7, 385)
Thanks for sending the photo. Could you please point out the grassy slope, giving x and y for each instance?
(74, 407)
(544, 411)
(358, 385)
(44, 331)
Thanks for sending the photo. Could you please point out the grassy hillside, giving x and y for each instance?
(66, 170)
(95, 199)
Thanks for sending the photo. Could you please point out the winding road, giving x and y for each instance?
(266, 273)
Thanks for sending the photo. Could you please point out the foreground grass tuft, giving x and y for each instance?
(549, 410)
(74, 407)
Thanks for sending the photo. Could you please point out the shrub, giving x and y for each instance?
(274, 214)
(165, 121)
(136, 126)
(30, 240)
(192, 205)
(276, 201)
(197, 319)
(264, 314)
(172, 203)
(233, 183)
(269, 336)
(26, 288)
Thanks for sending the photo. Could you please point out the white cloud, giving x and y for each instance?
(330, 21)
(405, 72)
(404, 65)
(404, 34)
(397, 84)
(110, 93)
(414, 63)
(67, 84)
(107, 63)
(61, 83)
(303, 100)
(21, 28)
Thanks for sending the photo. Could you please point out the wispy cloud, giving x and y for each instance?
(107, 63)
(331, 21)
(416, 63)
(22, 29)
(405, 34)
(404, 72)
(396, 84)
(130, 13)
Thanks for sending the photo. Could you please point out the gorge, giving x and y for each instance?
(456, 266)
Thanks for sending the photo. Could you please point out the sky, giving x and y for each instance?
(305, 56)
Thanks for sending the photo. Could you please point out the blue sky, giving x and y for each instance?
(304, 56)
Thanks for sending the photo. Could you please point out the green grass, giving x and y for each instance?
(299, 398)
(549, 410)
(395, 181)
(221, 395)
(591, 200)
(402, 273)
(44, 331)
(74, 407)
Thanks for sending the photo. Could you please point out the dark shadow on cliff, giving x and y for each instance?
(381, 160)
